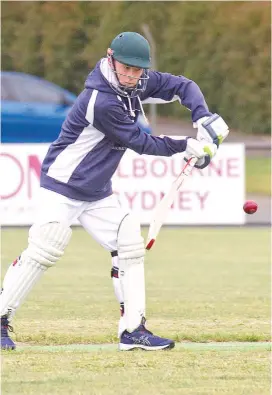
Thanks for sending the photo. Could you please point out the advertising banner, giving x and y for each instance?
(214, 195)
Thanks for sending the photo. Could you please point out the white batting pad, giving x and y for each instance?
(131, 271)
(46, 245)
(47, 242)
(20, 279)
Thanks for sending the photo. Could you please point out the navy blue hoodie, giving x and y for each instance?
(101, 125)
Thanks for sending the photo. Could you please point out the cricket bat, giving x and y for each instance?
(162, 208)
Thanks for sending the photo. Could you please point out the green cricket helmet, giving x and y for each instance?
(133, 50)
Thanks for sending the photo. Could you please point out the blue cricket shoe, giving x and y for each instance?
(6, 342)
(143, 339)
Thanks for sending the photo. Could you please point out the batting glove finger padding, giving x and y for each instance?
(212, 129)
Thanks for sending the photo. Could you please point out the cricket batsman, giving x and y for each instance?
(76, 180)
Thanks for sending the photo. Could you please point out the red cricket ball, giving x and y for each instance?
(250, 207)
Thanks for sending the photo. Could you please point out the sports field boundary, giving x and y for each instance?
(189, 346)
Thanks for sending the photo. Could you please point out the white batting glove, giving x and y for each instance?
(201, 149)
(212, 129)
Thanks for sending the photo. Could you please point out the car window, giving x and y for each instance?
(6, 94)
(25, 89)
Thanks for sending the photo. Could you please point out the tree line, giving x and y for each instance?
(223, 46)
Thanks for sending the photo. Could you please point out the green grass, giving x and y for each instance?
(137, 373)
(258, 175)
(203, 284)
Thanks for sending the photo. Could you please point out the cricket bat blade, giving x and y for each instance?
(162, 208)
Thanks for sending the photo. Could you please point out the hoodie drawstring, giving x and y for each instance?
(142, 110)
(132, 113)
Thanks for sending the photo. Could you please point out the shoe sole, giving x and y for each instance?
(130, 347)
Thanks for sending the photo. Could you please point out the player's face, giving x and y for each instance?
(128, 76)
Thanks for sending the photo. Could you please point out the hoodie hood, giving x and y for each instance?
(101, 77)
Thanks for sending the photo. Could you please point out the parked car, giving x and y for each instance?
(33, 109)
(144, 125)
